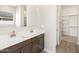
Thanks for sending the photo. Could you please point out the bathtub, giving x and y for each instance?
(22, 33)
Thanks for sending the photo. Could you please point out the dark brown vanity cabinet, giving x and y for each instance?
(22, 47)
(26, 49)
(33, 45)
(38, 44)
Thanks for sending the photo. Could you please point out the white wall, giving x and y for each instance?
(44, 16)
(32, 15)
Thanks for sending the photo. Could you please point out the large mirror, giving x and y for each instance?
(13, 15)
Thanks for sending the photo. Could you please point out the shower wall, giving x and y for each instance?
(70, 20)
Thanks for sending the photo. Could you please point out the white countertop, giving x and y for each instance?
(7, 41)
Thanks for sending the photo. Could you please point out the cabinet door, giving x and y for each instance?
(35, 46)
(41, 44)
(27, 48)
(38, 44)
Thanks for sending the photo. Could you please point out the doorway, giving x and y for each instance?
(67, 29)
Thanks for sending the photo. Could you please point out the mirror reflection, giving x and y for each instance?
(13, 15)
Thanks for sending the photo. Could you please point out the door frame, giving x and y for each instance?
(59, 25)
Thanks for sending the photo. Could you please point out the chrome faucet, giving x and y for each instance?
(13, 34)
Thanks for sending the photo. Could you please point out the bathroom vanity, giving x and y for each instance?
(32, 45)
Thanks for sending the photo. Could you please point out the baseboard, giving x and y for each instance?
(48, 51)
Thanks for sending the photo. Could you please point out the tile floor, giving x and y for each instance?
(67, 45)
